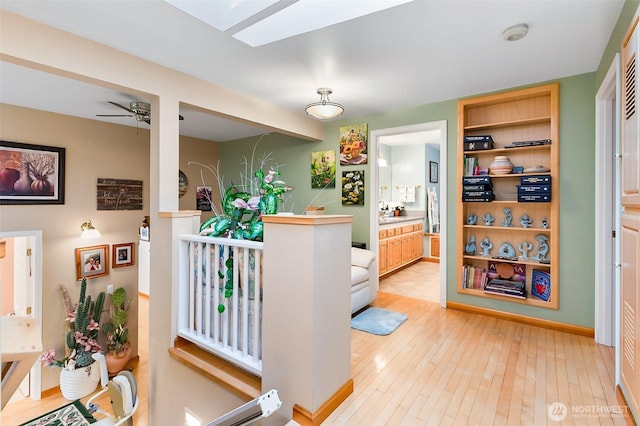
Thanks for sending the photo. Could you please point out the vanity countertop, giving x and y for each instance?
(399, 219)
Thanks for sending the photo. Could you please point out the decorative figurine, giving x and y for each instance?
(470, 249)
(488, 219)
(506, 250)
(545, 224)
(524, 248)
(486, 246)
(543, 248)
(526, 221)
(472, 219)
(507, 218)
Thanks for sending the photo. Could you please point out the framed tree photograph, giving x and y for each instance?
(31, 174)
(433, 172)
(122, 255)
(92, 262)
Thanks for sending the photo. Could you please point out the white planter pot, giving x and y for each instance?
(78, 383)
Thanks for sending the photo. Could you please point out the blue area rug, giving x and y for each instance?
(378, 321)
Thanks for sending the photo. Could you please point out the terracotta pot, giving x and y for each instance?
(78, 383)
(117, 360)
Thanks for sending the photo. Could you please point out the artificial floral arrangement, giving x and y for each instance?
(83, 326)
(242, 207)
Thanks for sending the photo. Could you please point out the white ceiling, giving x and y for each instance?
(413, 54)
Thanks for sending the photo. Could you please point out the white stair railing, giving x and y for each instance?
(211, 269)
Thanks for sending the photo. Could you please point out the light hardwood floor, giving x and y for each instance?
(450, 368)
(420, 281)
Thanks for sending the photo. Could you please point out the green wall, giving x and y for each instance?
(577, 184)
(577, 187)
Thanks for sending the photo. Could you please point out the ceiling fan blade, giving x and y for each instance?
(121, 106)
(114, 115)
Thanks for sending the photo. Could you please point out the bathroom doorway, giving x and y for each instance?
(429, 142)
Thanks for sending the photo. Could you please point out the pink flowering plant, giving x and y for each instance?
(240, 214)
(82, 331)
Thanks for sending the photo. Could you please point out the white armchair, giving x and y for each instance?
(364, 278)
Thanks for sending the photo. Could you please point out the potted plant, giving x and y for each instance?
(79, 375)
(117, 333)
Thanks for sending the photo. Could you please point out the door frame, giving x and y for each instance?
(441, 126)
(607, 212)
(35, 374)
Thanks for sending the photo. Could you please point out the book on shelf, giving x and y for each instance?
(470, 165)
(509, 288)
(478, 138)
(541, 284)
(473, 277)
(476, 180)
(506, 271)
(537, 142)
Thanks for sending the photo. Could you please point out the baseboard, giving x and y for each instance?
(524, 319)
(431, 259)
(304, 417)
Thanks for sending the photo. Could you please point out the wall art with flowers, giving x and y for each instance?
(353, 188)
(323, 169)
(353, 144)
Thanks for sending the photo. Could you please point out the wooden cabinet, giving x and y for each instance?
(399, 246)
(521, 116)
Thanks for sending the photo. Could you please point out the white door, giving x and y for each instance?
(21, 286)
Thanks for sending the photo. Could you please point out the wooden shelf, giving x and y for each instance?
(511, 123)
(519, 115)
(524, 262)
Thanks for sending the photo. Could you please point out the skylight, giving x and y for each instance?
(260, 22)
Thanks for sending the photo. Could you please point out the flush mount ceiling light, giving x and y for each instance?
(515, 33)
(325, 109)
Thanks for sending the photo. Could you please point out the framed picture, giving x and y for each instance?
(119, 194)
(353, 188)
(433, 172)
(144, 233)
(31, 174)
(203, 198)
(353, 144)
(92, 262)
(122, 255)
(323, 169)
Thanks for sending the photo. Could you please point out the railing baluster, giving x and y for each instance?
(216, 293)
(257, 308)
(192, 269)
(234, 334)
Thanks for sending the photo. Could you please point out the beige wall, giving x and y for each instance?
(93, 149)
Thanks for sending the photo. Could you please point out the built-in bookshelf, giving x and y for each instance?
(513, 216)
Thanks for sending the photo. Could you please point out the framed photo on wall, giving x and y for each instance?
(433, 172)
(122, 255)
(92, 262)
(31, 174)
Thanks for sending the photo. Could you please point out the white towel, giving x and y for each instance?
(402, 189)
(410, 194)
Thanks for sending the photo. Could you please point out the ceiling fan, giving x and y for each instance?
(138, 109)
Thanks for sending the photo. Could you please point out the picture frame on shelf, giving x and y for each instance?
(92, 262)
(122, 255)
(433, 172)
(31, 174)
